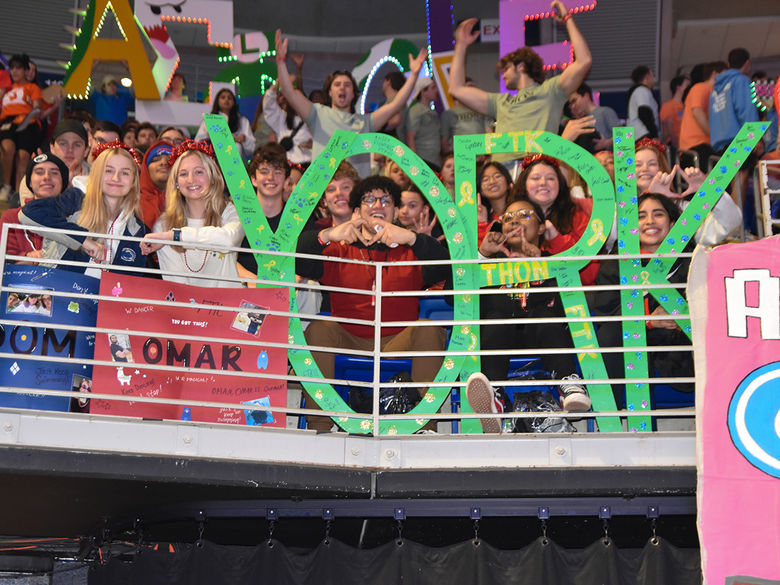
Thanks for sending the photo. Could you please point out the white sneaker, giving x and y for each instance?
(5, 191)
(575, 396)
(482, 398)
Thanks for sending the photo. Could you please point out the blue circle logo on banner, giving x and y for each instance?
(754, 418)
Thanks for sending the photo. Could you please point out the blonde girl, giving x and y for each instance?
(197, 212)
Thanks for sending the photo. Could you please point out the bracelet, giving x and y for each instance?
(319, 238)
(565, 18)
(280, 59)
(177, 235)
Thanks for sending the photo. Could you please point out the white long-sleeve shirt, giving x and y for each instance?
(276, 118)
(210, 259)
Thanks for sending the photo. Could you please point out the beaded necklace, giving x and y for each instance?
(187, 264)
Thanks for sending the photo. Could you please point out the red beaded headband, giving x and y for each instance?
(116, 144)
(539, 157)
(651, 143)
(200, 145)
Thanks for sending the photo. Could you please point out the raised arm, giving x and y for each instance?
(296, 99)
(383, 114)
(573, 76)
(471, 97)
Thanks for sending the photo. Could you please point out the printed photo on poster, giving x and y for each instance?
(83, 385)
(32, 302)
(120, 347)
(259, 417)
(249, 321)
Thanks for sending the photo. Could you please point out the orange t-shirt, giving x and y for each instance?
(691, 133)
(18, 101)
(674, 110)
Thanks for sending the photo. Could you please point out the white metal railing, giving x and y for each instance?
(376, 354)
(766, 188)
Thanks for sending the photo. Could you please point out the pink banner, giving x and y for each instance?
(131, 352)
(736, 310)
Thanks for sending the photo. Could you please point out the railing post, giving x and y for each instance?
(377, 345)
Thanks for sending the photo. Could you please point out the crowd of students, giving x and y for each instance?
(104, 181)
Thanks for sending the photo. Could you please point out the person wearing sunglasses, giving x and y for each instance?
(371, 237)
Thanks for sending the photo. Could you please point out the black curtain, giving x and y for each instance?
(541, 563)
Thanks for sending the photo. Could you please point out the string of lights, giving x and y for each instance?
(377, 66)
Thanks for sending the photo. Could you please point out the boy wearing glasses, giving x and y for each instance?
(519, 235)
(372, 237)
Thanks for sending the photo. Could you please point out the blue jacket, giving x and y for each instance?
(62, 212)
(731, 105)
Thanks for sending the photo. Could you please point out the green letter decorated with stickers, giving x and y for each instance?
(459, 222)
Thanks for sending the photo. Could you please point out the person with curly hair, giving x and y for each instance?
(538, 104)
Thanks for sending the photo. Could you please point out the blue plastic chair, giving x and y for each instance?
(435, 308)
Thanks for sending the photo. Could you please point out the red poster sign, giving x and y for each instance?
(239, 349)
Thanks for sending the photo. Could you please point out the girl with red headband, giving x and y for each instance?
(196, 212)
(110, 206)
(566, 219)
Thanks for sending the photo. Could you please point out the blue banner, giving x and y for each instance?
(40, 327)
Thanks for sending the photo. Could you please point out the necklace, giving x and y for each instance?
(187, 264)
(372, 275)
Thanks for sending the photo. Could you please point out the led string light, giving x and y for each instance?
(194, 20)
(550, 14)
(103, 19)
(85, 96)
(762, 94)
(173, 74)
(428, 60)
(452, 22)
(229, 57)
(562, 64)
(382, 61)
(266, 81)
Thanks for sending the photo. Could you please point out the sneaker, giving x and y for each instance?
(575, 397)
(5, 192)
(482, 398)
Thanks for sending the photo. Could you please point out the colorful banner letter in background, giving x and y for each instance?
(37, 309)
(91, 47)
(210, 361)
(734, 292)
